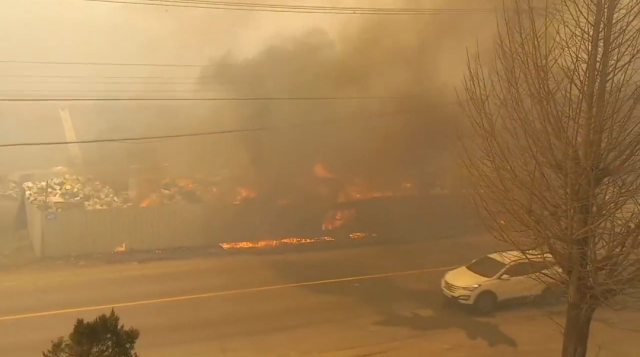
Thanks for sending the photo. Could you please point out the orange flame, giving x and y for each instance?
(320, 171)
(273, 243)
(338, 218)
(121, 248)
(243, 193)
(353, 189)
(357, 189)
(358, 235)
(147, 202)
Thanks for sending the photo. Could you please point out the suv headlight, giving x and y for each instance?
(470, 288)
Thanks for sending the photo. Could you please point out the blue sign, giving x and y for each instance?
(51, 216)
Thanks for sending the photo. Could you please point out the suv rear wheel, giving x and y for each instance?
(551, 295)
(485, 303)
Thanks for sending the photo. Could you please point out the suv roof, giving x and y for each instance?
(511, 256)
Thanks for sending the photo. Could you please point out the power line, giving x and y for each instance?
(195, 81)
(221, 5)
(197, 134)
(104, 63)
(308, 7)
(139, 91)
(101, 77)
(250, 7)
(217, 99)
(139, 138)
(295, 8)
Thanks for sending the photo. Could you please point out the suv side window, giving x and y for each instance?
(521, 269)
(537, 267)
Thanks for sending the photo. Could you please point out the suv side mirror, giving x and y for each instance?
(505, 277)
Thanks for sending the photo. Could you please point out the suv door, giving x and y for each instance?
(521, 281)
(544, 274)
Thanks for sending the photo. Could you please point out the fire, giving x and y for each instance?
(243, 193)
(358, 189)
(208, 189)
(273, 243)
(320, 171)
(183, 182)
(121, 248)
(338, 218)
(358, 235)
(149, 201)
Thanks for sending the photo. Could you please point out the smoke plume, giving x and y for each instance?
(417, 58)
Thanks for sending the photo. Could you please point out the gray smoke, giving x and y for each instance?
(382, 140)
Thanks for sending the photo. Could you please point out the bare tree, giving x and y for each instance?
(554, 154)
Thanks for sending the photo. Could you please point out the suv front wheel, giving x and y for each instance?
(485, 303)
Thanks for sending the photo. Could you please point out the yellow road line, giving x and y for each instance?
(214, 294)
(107, 273)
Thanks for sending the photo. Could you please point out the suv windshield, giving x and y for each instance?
(486, 267)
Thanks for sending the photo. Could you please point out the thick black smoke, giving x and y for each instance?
(384, 140)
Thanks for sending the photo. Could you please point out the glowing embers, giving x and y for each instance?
(274, 242)
(338, 218)
(244, 193)
(121, 248)
(354, 188)
(360, 235)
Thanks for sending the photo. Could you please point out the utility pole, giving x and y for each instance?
(71, 135)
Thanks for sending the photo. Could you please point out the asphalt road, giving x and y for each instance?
(376, 300)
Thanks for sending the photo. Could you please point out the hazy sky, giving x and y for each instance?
(80, 31)
(83, 31)
(75, 30)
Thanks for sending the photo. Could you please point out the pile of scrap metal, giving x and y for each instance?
(180, 190)
(71, 191)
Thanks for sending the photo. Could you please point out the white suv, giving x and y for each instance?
(498, 277)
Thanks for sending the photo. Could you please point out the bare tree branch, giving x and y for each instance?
(554, 156)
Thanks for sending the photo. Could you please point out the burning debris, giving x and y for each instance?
(121, 248)
(358, 189)
(243, 194)
(320, 171)
(195, 191)
(273, 243)
(180, 190)
(358, 235)
(338, 218)
(277, 242)
(72, 191)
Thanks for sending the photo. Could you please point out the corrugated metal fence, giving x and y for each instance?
(77, 232)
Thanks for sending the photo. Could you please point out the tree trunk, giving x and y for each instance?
(576, 329)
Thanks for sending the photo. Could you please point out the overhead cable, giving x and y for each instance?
(198, 134)
(217, 99)
(337, 10)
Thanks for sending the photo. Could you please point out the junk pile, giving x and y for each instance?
(180, 190)
(71, 191)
